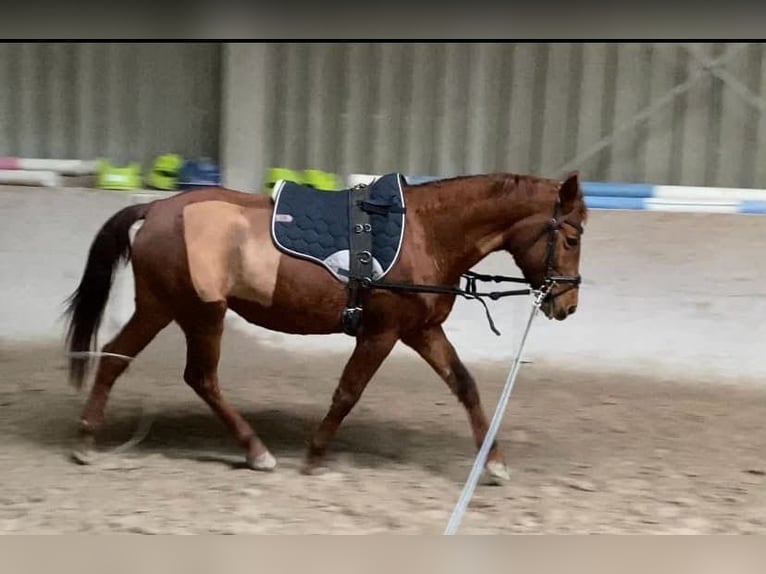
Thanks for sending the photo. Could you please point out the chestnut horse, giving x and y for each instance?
(200, 253)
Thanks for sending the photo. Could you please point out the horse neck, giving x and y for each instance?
(466, 219)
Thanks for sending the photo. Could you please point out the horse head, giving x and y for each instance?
(546, 245)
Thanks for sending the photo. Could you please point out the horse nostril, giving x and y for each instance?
(572, 309)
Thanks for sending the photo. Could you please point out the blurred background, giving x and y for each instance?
(662, 113)
(640, 413)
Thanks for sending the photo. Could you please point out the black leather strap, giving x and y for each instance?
(360, 257)
(380, 208)
(470, 291)
(360, 234)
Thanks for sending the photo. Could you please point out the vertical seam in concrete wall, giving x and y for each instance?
(85, 100)
(545, 104)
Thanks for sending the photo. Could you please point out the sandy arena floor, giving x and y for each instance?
(588, 452)
(644, 412)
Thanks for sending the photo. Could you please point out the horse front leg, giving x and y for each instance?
(368, 355)
(432, 344)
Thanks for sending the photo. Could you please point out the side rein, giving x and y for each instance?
(361, 270)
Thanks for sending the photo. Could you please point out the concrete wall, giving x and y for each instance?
(420, 108)
(126, 101)
(245, 89)
(429, 109)
(443, 109)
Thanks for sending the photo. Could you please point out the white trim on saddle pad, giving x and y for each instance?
(337, 263)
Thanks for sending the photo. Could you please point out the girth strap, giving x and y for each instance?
(360, 256)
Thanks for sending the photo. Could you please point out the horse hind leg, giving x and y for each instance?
(147, 320)
(203, 328)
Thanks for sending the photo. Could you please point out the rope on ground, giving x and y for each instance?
(481, 457)
(145, 422)
(86, 354)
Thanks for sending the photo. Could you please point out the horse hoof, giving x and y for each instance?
(263, 462)
(313, 469)
(497, 472)
(84, 456)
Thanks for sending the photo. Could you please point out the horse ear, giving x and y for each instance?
(569, 191)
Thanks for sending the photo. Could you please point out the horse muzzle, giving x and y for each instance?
(555, 304)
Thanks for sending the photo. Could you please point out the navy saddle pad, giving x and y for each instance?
(314, 224)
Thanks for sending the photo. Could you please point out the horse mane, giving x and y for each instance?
(507, 180)
(526, 184)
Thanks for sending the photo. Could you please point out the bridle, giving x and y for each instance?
(552, 279)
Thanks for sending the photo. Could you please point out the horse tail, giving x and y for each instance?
(85, 306)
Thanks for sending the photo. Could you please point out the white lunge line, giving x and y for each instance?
(86, 354)
(478, 465)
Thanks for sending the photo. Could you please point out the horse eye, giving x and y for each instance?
(572, 241)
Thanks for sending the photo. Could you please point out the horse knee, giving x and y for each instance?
(197, 380)
(464, 388)
(467, 393)
(344, 399)
(464, 385)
